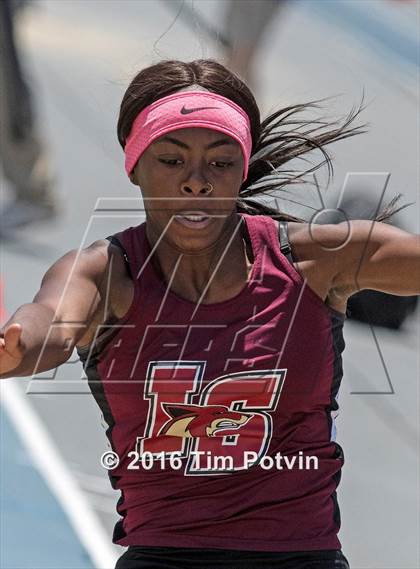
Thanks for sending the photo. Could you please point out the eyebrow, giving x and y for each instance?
(220, 142)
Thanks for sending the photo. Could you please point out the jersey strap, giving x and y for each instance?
(285, 247)
(115, 241)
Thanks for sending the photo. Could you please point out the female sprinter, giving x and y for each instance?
(218, 365)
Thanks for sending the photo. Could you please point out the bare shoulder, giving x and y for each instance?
(312, 243)
(78, 269)
(114, 285)
(312, 240)
(99, 255)
(89, 285)
(347, 234)
(100, 258)
(94, 258)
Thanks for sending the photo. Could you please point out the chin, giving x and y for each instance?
(193, 241)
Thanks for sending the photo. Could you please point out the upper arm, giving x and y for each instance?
(365, 254)
(71, 288)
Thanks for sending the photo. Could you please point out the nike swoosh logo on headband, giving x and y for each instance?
(185, 111)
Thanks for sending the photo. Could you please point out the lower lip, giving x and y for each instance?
(193, 224)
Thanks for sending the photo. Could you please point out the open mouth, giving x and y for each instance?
(196, 219)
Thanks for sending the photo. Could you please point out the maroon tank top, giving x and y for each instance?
(222, 415)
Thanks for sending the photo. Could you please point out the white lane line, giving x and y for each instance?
(95, 484)
(51, 466)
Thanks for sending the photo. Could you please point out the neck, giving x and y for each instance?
(211, 275)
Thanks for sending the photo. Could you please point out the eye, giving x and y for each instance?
(222, 165)
(169, 162)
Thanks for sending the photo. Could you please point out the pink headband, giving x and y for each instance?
(184, 110)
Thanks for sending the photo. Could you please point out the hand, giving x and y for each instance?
(11, 348)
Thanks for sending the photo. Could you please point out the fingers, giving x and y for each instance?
(12, 336)
(10, 349)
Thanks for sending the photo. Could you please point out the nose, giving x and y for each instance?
(197, 188)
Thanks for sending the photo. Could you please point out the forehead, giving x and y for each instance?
(196, 136)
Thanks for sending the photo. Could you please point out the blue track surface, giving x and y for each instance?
(34, 531)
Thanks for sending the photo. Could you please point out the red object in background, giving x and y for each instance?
(2, 308)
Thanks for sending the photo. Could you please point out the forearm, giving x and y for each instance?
(46, 343)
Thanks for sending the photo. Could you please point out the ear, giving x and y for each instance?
(133, 179)
(175, 411)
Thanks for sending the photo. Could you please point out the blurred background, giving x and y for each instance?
(64, 68)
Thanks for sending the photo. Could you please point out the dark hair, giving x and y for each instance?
(283, 136)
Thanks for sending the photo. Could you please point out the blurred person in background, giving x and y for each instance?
(23, 157)
(245, 24)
